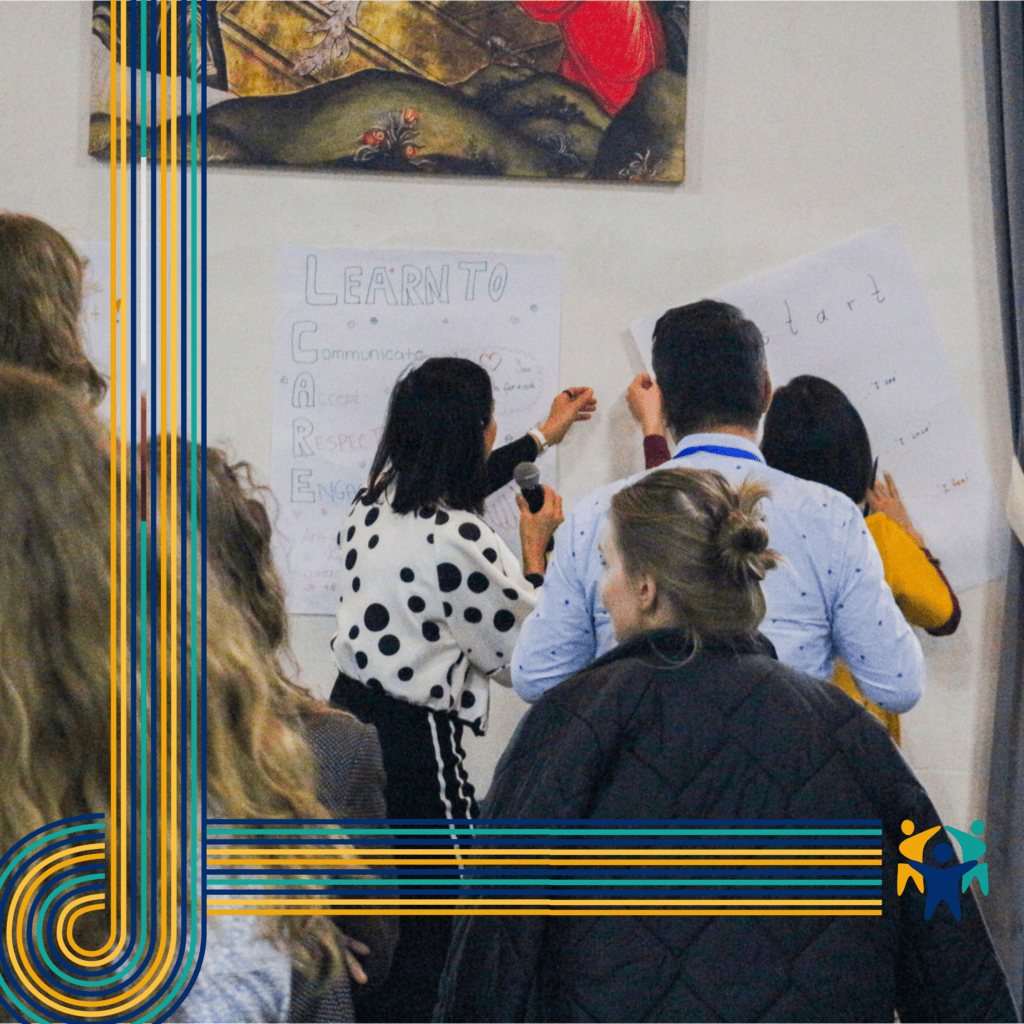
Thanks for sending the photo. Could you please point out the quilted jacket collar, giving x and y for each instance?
(670, 645)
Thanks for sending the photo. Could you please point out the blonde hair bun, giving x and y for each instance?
(743, 539)
(702, 541)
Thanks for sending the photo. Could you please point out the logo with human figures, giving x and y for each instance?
(940, 885)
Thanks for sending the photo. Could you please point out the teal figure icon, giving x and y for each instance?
(941, 882)
(973, 848)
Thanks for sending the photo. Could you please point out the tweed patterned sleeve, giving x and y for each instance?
(350, 771)
(485, 595)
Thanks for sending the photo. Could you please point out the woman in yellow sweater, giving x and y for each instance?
(812, 431)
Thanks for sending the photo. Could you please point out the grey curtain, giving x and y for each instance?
(1003, 40)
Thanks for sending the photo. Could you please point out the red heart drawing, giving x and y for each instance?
(490, 360)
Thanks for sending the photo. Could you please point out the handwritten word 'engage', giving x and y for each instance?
(407, 285)
(337, 492)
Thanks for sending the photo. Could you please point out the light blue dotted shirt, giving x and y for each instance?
(828, 599)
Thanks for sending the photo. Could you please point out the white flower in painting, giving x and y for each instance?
(335, 44)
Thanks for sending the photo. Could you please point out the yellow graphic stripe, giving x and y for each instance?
(644, 856)
(17, 926)
(312, 861)
(634, 910)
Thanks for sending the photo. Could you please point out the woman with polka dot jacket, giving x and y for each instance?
(430, 606)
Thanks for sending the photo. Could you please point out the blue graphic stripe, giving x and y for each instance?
(589, 824)
(528, 873)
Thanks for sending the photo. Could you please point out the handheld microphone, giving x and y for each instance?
(527, 476)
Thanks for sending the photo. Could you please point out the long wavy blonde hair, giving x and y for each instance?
(41, 279)
(54, 608)
(55, 656)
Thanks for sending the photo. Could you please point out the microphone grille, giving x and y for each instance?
(526, 475)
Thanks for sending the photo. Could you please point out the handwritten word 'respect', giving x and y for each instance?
(306, 441)
(408, 284)
(795, 321)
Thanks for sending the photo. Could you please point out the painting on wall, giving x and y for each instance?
(585, 89)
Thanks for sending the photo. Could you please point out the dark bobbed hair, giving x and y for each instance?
(710, 366)
(813, 432)
(432, 449)
(703, 542)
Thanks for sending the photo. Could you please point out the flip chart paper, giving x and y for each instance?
(856, 315)
(349, 323)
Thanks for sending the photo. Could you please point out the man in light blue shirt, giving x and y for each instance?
(828, 599)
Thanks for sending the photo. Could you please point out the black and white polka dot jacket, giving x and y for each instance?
(430, 606)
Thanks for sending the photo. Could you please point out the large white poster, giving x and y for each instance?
(856, 315)
(349, 322)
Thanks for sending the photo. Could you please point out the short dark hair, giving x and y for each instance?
(710, 366)
(432, 449)
(812, 431)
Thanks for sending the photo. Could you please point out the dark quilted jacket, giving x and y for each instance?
(729, 734)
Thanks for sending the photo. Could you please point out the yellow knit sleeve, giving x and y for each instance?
(920, 592)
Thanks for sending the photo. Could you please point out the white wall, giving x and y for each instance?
(807, 123)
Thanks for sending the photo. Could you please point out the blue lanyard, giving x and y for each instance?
(715, 449)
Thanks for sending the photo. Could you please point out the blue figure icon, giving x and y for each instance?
(942, 882)
(972, 848)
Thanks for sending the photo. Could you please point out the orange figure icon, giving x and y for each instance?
(912, 849)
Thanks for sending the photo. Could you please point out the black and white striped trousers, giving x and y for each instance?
(426, 778)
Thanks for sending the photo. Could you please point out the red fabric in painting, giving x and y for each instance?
(609, 46)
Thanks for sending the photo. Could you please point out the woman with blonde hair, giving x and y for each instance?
(55, 691)
(692, 718)
(41, 284)
(350, 775)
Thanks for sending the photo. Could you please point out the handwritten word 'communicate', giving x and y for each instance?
(305, 351)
